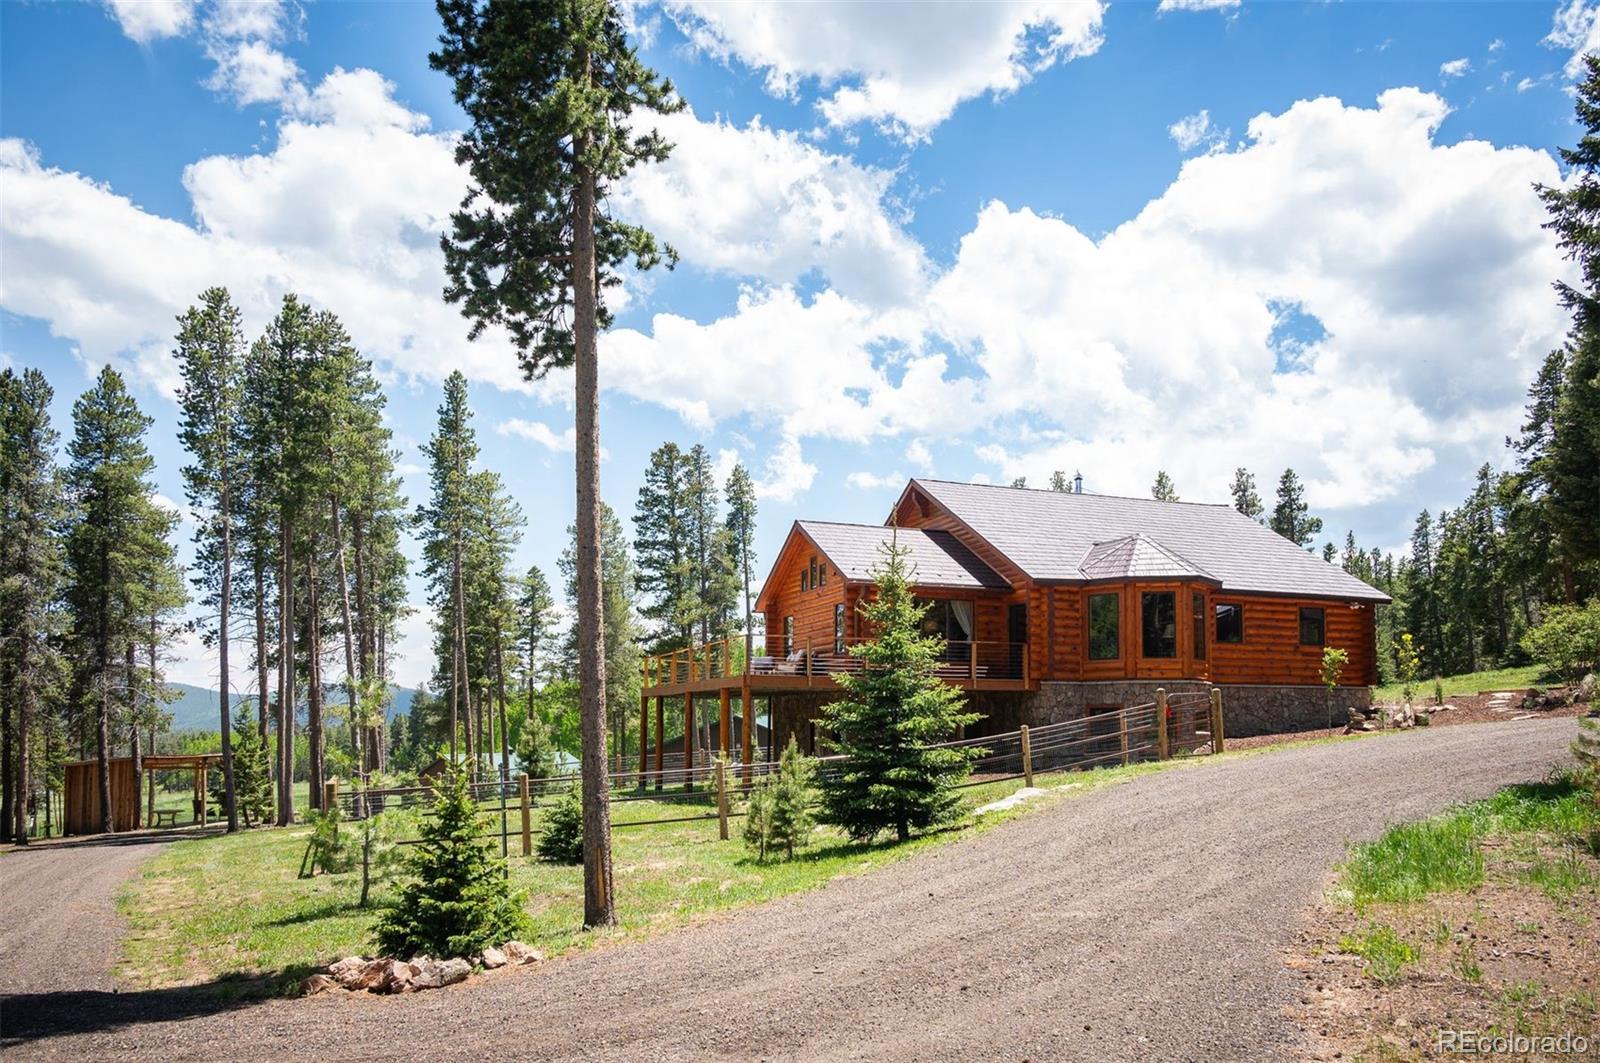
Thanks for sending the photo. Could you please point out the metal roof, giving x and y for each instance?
(1049, 536)
(1136, 556)
(937, 558)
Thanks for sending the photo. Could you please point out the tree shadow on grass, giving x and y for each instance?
(30, 1017)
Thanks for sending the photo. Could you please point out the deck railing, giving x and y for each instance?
(969, 661)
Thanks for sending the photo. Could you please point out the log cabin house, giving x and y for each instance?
(1054, 605)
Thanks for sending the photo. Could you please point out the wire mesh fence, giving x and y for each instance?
(1177, 726)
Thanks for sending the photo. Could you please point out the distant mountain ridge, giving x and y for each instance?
(195, 708)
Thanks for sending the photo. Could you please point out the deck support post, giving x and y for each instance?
(1216, 720)
(661, 739)
(725, 721)
(644, 737)
(688, 741)
(1161, 723)
(747, 733)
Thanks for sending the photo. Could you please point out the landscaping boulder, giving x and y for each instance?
(434, 974)
(317, 983)
(398, 977)
(1584, 692)
(348, 970)
(518, 953)
(491, 958)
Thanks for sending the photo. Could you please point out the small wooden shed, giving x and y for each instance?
(83, 788)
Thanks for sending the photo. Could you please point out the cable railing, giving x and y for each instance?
(962, 661)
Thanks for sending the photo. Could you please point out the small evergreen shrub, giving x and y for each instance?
(325, 848)
(561, 834)
(252, 780)
(781, 813)
(458, 899)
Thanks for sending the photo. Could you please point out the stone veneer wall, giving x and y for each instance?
(1259, 710)
(1247, 710)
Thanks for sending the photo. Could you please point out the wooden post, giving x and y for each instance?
(748, 731)
(972, 663)
(722, 798)
(1122, 733)
(1161, 723)
(725, 721)
(808, 662)
(644, 737)
(1216, 720)
(688, 741)
(527, 814)
(200, 785)
(1027, 758)
(661, 739)
(330, 794)
(1027, 673)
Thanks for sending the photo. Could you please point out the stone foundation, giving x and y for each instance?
(1247, 710)
(1055, 702)
(1259, 710)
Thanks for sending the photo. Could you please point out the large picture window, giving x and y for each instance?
(1158, 623)
(1230, 622)
(1312, 627)
(1105, 624)
(788, 636)
(1199, 627)
(947, 618)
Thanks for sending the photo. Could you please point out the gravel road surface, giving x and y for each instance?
(1145, 920)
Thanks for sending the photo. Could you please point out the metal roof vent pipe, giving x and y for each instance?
(1077, 483)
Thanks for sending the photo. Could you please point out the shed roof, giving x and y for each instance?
(1049, 536)
(937, 558)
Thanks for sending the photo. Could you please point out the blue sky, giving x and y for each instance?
(963, 241)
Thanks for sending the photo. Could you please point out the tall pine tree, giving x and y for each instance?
(549, 89)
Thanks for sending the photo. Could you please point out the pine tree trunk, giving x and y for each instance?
(224, 605)
(24, 723)
(133, 712)
(7, 781)
(364, 635)
(286, 678)
(261, 650)
(599, 906)
(357, 730)
(500, 690)
(150, 809)
(102, 729)
(314, 731)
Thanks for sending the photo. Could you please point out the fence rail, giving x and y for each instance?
(1171, 726)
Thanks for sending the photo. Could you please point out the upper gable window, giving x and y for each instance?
(813, 570)
(822, 574)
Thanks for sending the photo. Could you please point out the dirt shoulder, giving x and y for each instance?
(1507, 968)
(1144, 920)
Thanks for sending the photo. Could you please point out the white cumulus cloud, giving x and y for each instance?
(144, 21)
(901, 64)
(1577, 30)
(1455, 68)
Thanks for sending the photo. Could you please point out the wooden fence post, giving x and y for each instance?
(688, 741)
(1161, 723)
(1027, 758)
(1216, 720)
(644, 737)
(330, 794)
(527, 815)
(1122, 732)
(722, 797)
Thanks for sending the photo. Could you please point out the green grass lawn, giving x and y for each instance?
(230, 909)
(1472, 682)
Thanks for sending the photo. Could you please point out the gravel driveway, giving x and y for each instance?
(1146, 920)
